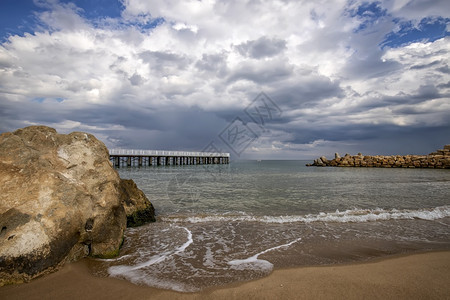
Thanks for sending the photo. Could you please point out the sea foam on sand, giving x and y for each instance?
(259, 263)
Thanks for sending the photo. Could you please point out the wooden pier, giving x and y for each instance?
(139, 158)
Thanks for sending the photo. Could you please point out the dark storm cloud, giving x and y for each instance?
(136, 79)
(161, 61)
(369, 138)
(262, 47)
(444, 85)
(423, 94)
(426, 66)
(161, 129)
(444, 69)
(370, 65)
(306, 91)
(170, 129)
(214, 63)
(266, 73)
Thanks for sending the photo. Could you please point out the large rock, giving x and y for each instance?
(60, 200)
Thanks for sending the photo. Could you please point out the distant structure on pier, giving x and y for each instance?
(127, 157)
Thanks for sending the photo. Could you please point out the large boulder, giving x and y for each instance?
(60, 200)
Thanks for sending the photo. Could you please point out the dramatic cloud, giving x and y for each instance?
(262, 47)
(347, 76)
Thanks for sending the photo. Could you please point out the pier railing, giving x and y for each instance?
(131, 152)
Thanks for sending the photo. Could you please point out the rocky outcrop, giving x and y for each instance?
(60, 200)
(137, 207)
(439, 159)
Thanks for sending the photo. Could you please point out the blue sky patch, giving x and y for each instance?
(429, 29)
(151, 24)
(17, 18)
(368, 13)
(95, 9)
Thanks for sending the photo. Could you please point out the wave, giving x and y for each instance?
(348, 216)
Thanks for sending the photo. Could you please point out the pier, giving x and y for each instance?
(140, 158)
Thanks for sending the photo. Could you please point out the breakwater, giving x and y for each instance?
(439, 159)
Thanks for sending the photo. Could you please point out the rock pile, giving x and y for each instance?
(60, 200)
(439, 159)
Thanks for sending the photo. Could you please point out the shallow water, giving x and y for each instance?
(219, 224)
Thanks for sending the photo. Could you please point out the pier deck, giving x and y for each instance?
(138, 158)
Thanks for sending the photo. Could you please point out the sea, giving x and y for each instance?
(222, 224)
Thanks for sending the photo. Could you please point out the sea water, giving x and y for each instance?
(219, 224)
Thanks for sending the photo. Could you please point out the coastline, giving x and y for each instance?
(412, 276)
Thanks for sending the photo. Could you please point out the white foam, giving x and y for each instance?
(188, 242)
(260, 263)
(352, 215)
(124, 269)
(113, 259)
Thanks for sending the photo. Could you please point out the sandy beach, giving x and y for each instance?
(416, 276)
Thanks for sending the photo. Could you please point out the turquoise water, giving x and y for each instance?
(219, 224)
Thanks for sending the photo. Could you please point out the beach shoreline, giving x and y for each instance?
(416, 275)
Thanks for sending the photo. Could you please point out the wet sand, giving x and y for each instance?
(417, 276)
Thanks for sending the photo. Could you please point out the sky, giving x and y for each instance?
(258, 79)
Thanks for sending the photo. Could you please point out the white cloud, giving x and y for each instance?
(216, 56)
(417, 9)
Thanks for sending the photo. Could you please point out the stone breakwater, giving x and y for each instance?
(439, 160)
